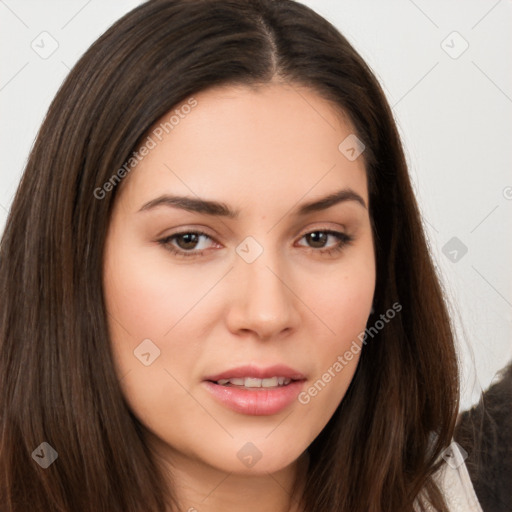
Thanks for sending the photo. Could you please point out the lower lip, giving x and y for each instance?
(256, 401)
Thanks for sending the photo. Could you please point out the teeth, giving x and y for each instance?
(251, 382)
(269, 383)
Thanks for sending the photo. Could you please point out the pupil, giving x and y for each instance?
(317, 239)
(190, 240)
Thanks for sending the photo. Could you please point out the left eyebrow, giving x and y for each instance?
(346, 194)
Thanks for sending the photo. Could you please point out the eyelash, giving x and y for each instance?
(343, 241)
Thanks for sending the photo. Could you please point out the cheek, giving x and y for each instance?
(341, 300)
(148, 296)
(147, 299)
(344, 303)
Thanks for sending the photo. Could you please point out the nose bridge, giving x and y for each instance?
(265, 304)
(265, 285)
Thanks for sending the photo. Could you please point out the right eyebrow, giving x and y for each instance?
(193, 205)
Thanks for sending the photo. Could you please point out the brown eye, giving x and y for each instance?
(327, 242)
(317, 239)
(188, 243)
(187, 240)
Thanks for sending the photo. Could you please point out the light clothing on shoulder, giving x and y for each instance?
(455, 484)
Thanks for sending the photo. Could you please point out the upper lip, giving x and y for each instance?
(278, 370)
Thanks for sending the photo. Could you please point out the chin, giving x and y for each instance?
(254, 458)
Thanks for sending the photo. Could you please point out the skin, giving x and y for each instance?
(264, 152)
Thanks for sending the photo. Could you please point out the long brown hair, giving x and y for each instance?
(57, 378)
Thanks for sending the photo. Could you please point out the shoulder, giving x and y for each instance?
(454, 482)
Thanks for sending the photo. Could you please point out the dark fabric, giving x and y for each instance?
(485, 432)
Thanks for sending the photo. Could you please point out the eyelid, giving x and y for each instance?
(339, 228)
(331, 232)
(195, 231)
(192, 228)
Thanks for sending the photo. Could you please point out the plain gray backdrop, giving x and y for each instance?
(445, 68)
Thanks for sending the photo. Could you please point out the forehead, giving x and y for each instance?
(273, 141)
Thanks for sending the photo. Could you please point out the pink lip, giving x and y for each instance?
(256, 401)
(277, 370)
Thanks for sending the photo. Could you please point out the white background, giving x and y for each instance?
(454, 113)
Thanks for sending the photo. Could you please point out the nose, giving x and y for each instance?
(263, 302)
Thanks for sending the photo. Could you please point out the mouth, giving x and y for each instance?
(253, 383)
(258, 392)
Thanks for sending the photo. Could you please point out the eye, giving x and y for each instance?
(187, 243)
(327, 241)
(195, 243)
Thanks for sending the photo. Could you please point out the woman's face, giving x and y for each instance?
(248, 277)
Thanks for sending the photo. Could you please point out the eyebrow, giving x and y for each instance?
(220, 209)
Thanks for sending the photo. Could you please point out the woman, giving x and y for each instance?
(217, 290)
